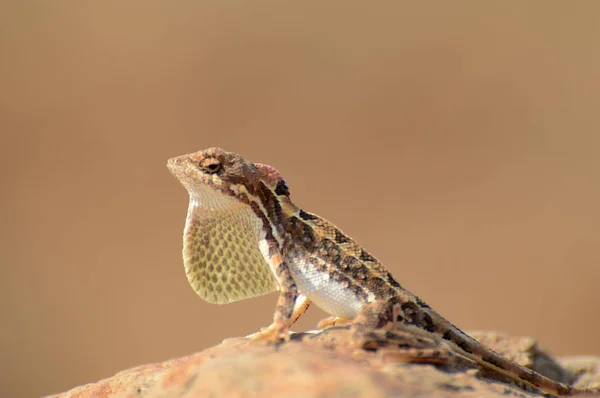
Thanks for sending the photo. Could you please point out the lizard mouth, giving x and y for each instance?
(175, 164)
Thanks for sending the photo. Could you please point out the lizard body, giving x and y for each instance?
(244, 237)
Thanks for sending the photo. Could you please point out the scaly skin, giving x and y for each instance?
(244, 237)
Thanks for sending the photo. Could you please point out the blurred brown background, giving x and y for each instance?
(457, 141)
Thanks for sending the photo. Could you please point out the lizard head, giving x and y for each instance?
(227, 217)
(215, 171)
(230, 199)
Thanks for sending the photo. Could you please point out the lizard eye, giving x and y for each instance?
(210, 165)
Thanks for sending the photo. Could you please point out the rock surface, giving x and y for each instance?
(324, 366)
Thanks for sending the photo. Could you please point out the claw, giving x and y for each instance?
(274, 334)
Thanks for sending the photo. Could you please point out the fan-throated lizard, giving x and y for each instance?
(244, 237)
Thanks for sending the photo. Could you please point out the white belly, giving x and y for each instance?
(331, 296)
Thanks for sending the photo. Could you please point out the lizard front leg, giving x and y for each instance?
(287, 310)
(302, 304)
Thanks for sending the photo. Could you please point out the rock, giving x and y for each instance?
(586, 370)
(324, 365)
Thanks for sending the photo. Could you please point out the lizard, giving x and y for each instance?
(244, 237)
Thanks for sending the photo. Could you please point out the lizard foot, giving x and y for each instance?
(394, 340)
(406, 346)
(276, 333)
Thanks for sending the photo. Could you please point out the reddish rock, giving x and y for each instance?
(324, 366)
